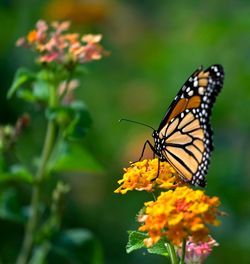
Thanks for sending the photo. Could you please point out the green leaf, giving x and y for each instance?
(16, 172)
(22, 76)
(26, 94)
(74, 119)
(62, 115)
(159, 248)
(72, 157)
(46, 75)
(41, 90)
(136, 241)
(10, 209)
(80, 123)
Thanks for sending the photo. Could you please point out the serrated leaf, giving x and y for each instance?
(135, 241)
(159, 248)
(22, 76)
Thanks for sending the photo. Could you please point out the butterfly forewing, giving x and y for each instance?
(186, 126)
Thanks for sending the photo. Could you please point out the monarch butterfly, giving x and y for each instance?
(184, 137)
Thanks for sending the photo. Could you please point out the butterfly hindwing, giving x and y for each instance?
(188, 147)
(186, 126)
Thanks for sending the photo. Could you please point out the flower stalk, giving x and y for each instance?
(58, 53)
(31, 226)
(183, 251)
(172, 253)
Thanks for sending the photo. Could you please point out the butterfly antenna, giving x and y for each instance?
(139, 123)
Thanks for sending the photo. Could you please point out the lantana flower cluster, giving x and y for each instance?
(179, 213)
(53, 43)
(148, 175)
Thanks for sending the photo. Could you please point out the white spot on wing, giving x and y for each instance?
(201, 90)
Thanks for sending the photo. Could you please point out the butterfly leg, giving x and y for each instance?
(154, 154)
(144, 147)
(143, 150)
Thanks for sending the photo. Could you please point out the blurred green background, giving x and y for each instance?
(154, 47)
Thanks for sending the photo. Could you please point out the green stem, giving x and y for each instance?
(36, 190)
(172, 253)
(183, 251)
